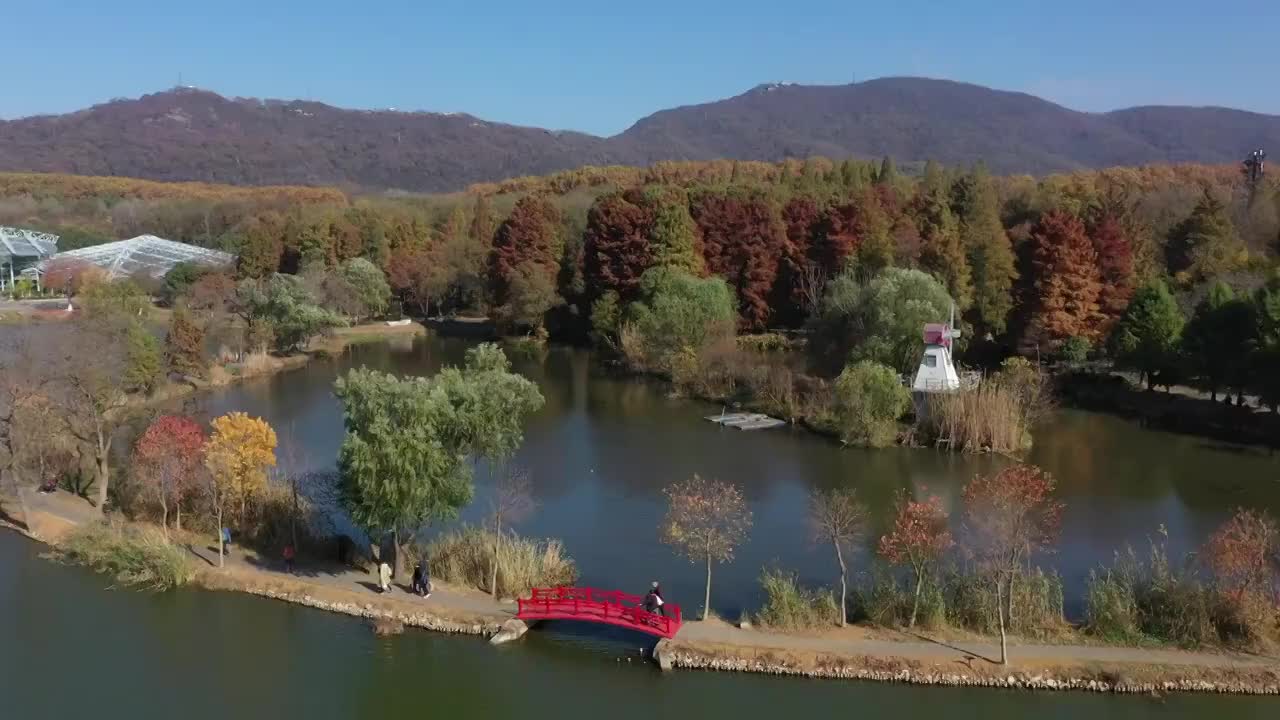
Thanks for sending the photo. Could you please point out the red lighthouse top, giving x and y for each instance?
(938, 334)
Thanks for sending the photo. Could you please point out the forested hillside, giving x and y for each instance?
(189, 134)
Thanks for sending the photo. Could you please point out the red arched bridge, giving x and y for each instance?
(601, 606)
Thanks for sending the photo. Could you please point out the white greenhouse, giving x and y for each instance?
(145, 254)
(22, 249)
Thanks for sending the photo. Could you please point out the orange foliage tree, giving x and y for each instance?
(1066, 282)
(1242, 554)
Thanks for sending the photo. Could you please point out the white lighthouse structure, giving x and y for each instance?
(937, 372)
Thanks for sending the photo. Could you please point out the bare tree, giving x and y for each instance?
(836, 517)
(706, 520)
(813, 283)
(92, 367)
(512, 502)
(17, 382)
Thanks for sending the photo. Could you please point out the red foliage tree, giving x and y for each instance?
(531, 234)
(1011, 516)
(839, 237)
(919, 538)
(69, 274)
(616, 248)
(802, 217)
(743, 236)
(167, 458)
(1115, 266)
(1240, 554)
(1066, 282)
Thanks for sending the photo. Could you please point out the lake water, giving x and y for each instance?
(71, 648)
(603, 447)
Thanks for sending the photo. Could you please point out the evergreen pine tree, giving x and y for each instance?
(673, 236)
(941, 253)
(888, 174)
(988, 249)
(482, 225)
(1205, 245)
(1146, 338)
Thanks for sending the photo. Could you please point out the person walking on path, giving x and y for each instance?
(288, 558)
(423, 573)
(226, 541)
(384, 577)
(650, 603)
(657, 594)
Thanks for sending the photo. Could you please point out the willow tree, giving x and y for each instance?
(406, 457)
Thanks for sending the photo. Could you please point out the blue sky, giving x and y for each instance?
(599, 66)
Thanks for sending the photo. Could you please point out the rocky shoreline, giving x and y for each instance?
(1154, 679)
(368, 611)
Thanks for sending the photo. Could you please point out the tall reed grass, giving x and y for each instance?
(464, 556)
(790, 606)
(139, 557)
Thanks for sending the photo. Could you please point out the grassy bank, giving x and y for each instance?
(137, 556)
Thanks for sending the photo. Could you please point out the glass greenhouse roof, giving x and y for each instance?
(21, 243)
(145, 254)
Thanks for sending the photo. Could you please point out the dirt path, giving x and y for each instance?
(853, 641)
(334, 580)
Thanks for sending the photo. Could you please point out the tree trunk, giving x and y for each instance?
(1004, 642)
(706, 600)
(915, 602)
(103, 478)
(221, 550)
(844, 587)
(177, 510)
(493, 565)
(293, 517)
(397, 566)
(1008, 601)
(164, 516)
(22, 498)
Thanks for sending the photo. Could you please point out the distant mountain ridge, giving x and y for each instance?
(190, 134)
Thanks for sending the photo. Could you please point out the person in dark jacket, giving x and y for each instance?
(650, 603)
(657, 594)
(423, 573)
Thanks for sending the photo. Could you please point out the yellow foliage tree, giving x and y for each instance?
(239, 452)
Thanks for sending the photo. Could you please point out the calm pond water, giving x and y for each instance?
(73, 649)
(603, 447)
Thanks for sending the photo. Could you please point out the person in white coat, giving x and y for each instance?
(384, 576)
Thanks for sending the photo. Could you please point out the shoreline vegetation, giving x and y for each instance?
(861, 654)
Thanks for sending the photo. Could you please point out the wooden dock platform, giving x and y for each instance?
(746, 421)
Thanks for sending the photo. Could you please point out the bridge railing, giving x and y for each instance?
(610, 606)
